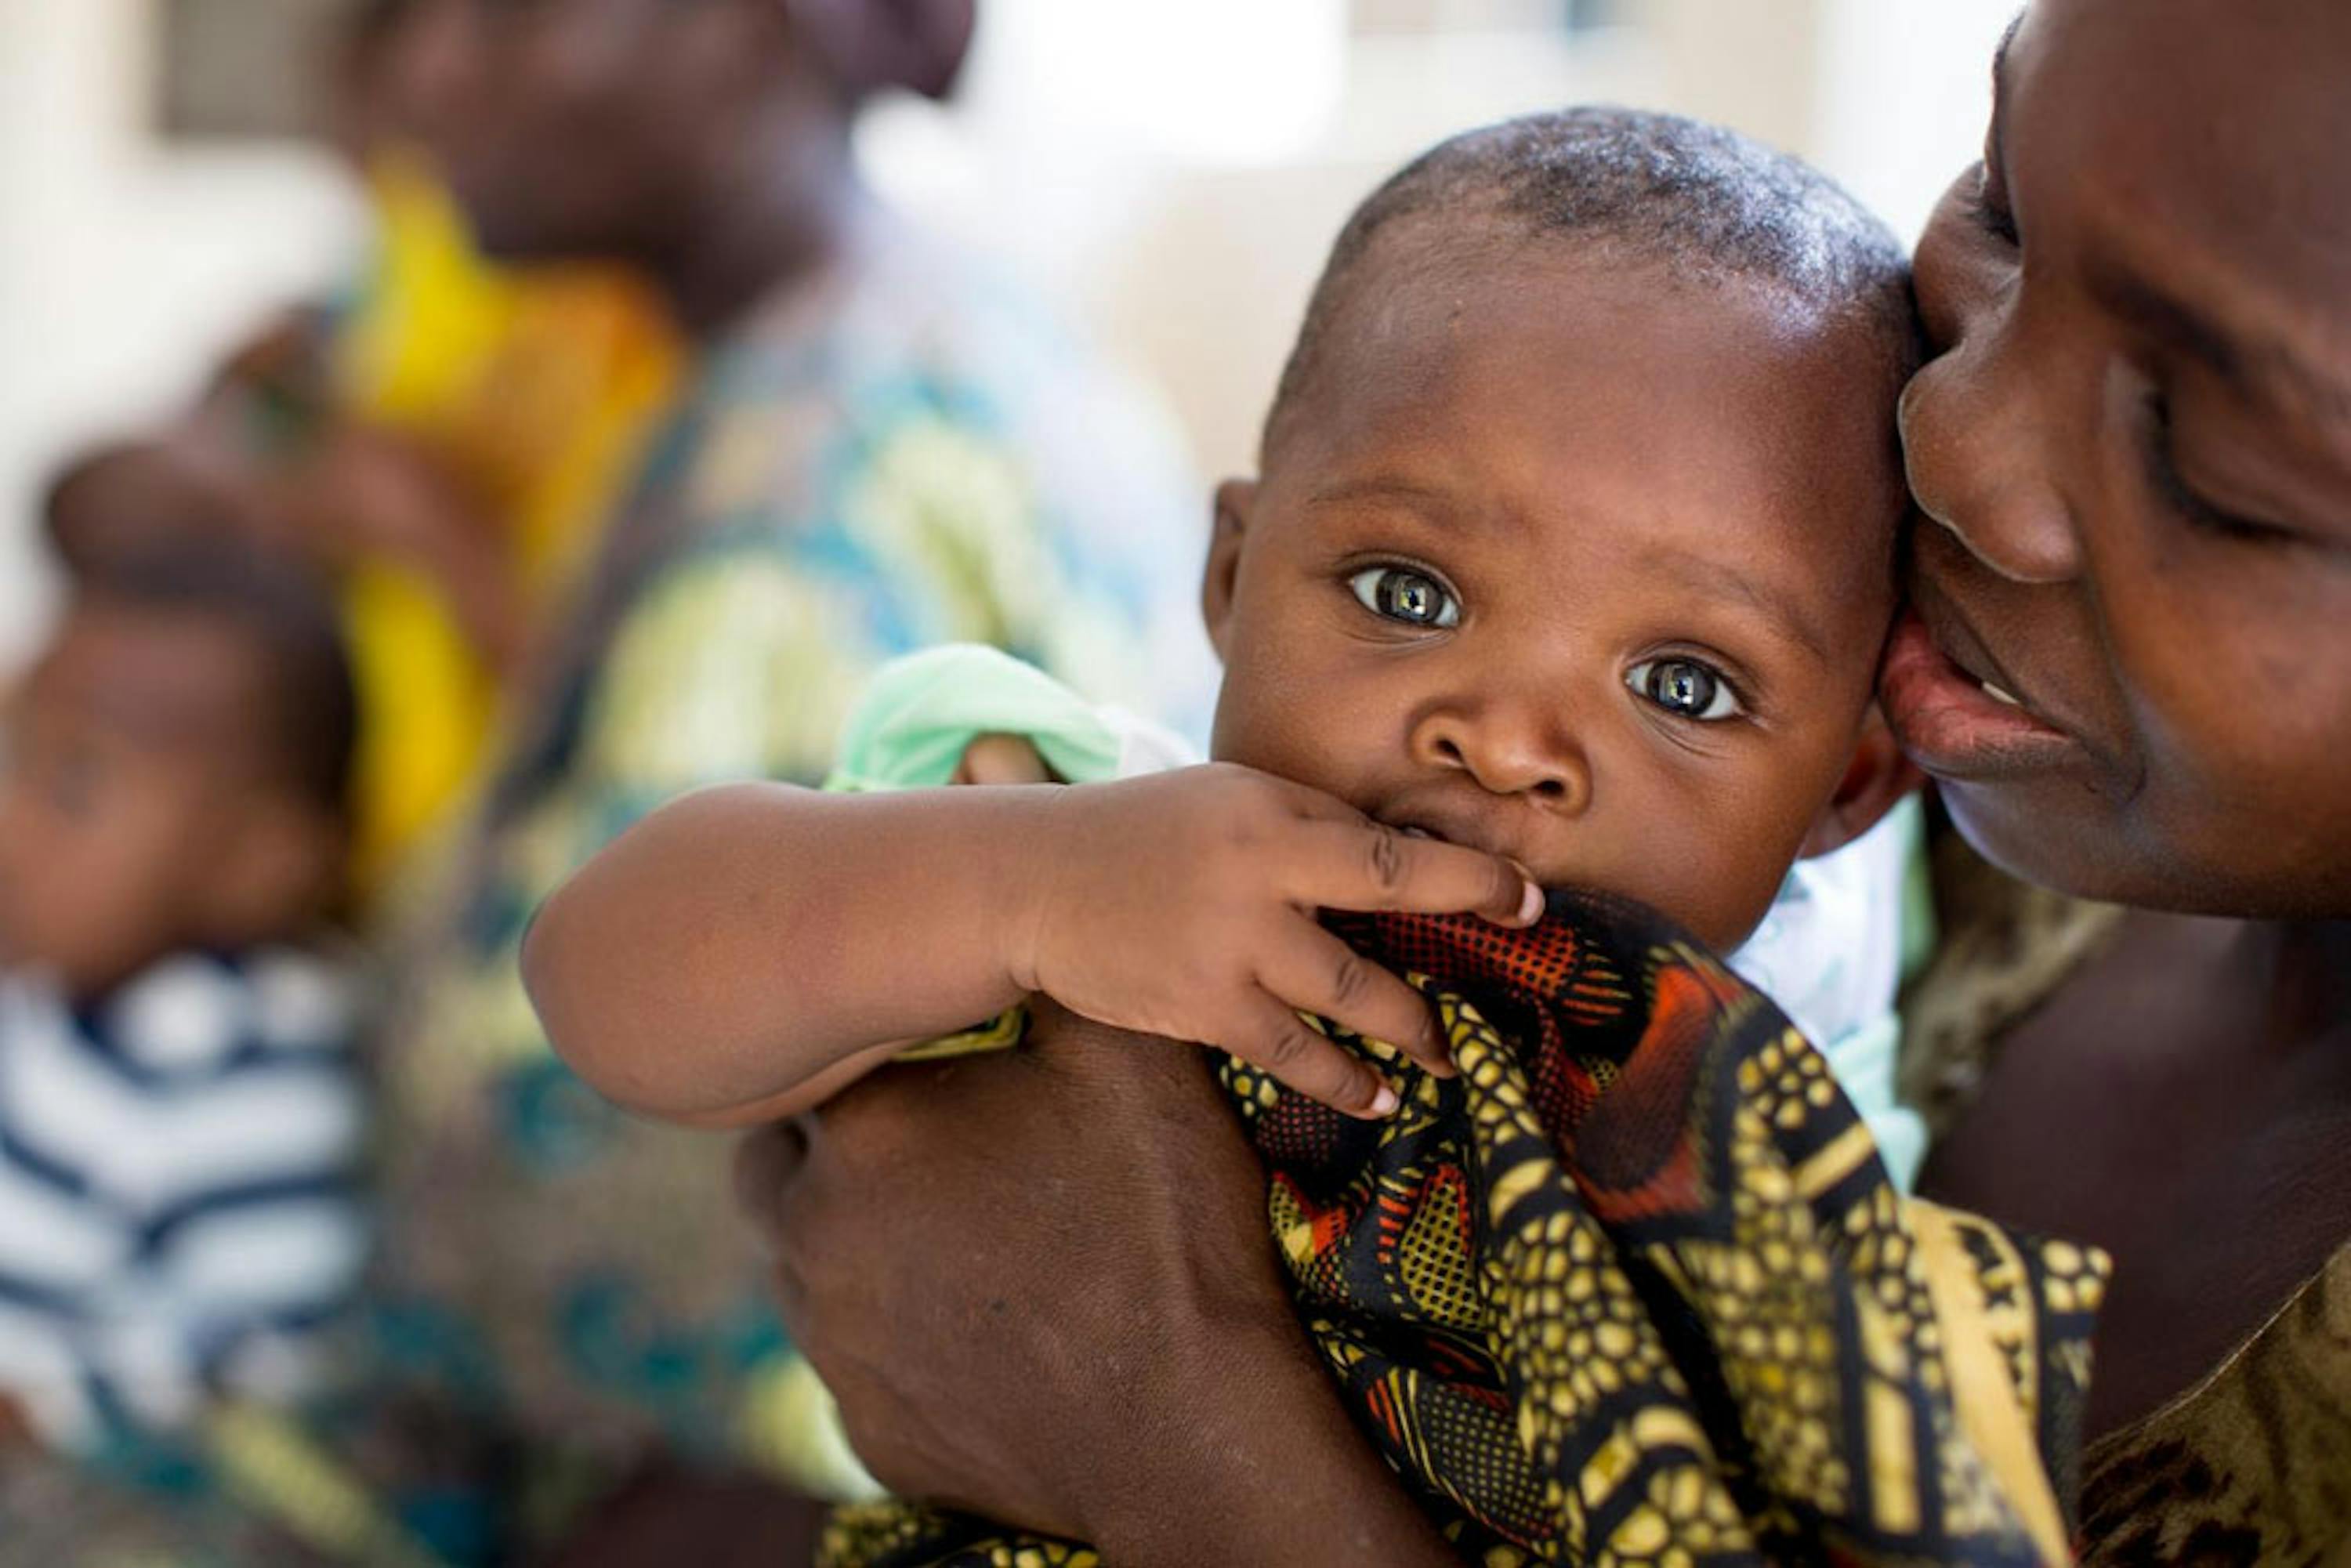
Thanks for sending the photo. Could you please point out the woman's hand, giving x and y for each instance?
(1183, 904)
(1041, 1287)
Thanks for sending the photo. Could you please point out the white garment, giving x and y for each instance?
(1829, 952)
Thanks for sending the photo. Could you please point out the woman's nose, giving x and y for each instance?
(1977, 447)
(1510, 747)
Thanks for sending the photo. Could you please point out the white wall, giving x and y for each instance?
(1193, 262)
(1905, 92)
(123, 270)
(1172, 173)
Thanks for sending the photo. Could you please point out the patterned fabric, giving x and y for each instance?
(534, 391)
(1633, 1287)
(535, 388)
(2253, 1466)
(889, 456)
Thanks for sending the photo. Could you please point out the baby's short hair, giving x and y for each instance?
(1700, 200)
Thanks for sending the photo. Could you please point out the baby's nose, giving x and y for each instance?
(1510, 748)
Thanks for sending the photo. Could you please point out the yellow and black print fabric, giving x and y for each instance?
(1633, 1288)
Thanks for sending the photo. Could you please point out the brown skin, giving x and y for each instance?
(2170, 603)
(755, 936)
(1118, 1329)
(1474, 440)
(706, 144)
(143, 809)
(1472, 451)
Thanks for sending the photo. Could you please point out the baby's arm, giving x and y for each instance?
(746, 951)
(749, 950)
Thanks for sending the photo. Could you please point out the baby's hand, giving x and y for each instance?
(1001, 759)
(1183, 905)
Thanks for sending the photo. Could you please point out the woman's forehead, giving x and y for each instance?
(2194, 161)
(2231, 121)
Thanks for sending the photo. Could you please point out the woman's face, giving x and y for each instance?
(2136, 440)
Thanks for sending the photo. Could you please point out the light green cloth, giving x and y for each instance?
(921, 712)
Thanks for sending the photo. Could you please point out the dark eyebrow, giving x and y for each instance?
(1720, 582)
(2262, 366)
(2257, 366)
(1381, 490)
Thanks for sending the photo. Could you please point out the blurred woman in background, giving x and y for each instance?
(873, 446)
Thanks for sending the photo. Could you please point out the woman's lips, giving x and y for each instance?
(1954, 725)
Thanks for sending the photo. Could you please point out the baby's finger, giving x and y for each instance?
(1001, 759)
(1278, 1040)
(1369, 866)
(1318, 972)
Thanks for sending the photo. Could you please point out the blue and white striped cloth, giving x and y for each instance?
(179, 1205)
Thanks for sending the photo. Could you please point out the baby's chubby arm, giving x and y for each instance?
(749, 950)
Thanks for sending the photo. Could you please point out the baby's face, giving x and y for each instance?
(132, 757)
(1586, 567)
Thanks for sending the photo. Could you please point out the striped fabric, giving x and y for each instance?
(179, 1205)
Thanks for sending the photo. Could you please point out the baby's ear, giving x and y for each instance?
(1877, 776)
(1234, 499)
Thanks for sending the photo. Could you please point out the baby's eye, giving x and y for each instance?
(1400, 593)
(1686, 688)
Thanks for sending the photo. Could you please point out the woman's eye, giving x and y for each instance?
(1400, 593)
(2163, 472)
(1684, 688)
(1997, 222)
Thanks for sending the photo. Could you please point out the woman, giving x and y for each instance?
(2130, 680)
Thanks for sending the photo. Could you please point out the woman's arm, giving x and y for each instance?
(1067, 1315)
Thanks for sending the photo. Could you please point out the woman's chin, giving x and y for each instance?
(2052, 844)
(2074, 841)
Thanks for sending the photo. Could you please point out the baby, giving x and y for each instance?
(1569, 564)
(179, 1116)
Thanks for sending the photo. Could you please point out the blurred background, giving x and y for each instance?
(1170, 173)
